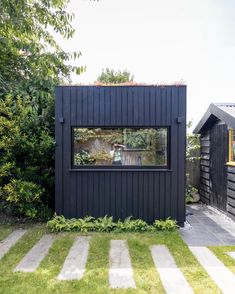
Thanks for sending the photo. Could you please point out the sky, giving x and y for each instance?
(160, 41)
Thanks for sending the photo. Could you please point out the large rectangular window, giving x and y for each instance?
(120, 146)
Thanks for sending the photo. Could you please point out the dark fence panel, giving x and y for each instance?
(193, 171)
(205, 181)
(231, 191)
(147, 194)
(218, 158)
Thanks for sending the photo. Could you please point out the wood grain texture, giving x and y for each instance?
(143, 193)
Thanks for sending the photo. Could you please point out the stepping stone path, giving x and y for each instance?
(75, 263)
(219, 273)
(120, 270)
(32, 260)
(10, 241)
(231, 254)
(172, 278)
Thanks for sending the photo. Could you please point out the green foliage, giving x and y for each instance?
(193, 145)
(26, 148)
(109, 136)
(136, 139)
(31, 65)
(101, 156)
(83, 157)
(189, 194)
(84, 134)
(132, 225)
(110, 76)
(165, 225)
(106, 224)
(31, 60)
(23, 196)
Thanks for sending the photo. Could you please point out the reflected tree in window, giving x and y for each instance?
(120, 146)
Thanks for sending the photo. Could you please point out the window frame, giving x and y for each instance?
(122, 167)
(231, 161)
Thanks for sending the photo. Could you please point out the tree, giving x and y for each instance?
(31, 64)
(110, 76)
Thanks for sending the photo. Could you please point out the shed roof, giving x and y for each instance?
(217, 111)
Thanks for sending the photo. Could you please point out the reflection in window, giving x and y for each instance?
(120, 146)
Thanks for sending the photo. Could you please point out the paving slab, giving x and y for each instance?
(208, 228)
(225, 222)
(33, 258)
(75, 263)
(231, 254)
(192, 219)
(219, 273)
(172, 278)
(10, 241)
(199, 236)
(120, 269)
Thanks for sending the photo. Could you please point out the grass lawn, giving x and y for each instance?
(221, 253)
(95, 279)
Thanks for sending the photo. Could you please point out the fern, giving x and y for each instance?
(106, 224)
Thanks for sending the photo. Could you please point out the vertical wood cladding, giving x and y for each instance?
(213, 171)
(218, 158)
(205, 182)
(217, 181)
(142, 193)
(231, 190)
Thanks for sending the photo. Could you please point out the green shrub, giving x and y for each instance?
(31, 65)
(23, 197)
(165, 225)
(106, 224)
(189, 193)
(132, 225)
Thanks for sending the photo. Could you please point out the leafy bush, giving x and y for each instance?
(111, 76)
(165, 225)
(24, 197)
(132, 225)
(27, 153)
(83, 157)
(189, 193)
(31, 65)
(106, 224)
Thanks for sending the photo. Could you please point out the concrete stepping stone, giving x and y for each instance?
(75, 263)
(33, 258)
(10, 241)
(219, 273)
(120, 270)
(231, 254)
(172, 278)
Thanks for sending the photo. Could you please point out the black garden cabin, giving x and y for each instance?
(120, 151)
(217, 175)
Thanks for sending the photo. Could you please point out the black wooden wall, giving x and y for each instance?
(217, 180)
(142, 193)
(205, 181)
(218, 159)
(231, 191)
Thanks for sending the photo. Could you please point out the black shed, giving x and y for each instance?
(120, 151)
(217, 165)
